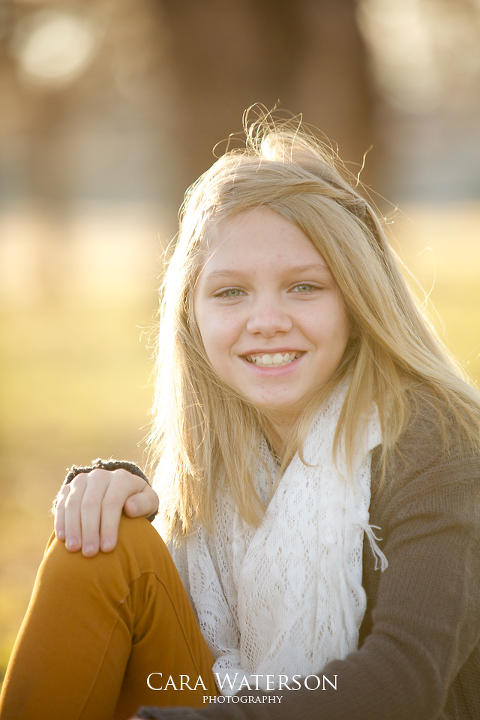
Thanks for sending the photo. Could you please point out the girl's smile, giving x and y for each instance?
(272, 320)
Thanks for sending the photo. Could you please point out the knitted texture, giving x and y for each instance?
(111, 464)
(285, 598)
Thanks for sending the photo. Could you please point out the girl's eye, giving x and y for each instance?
(229, 293)
(305, 288)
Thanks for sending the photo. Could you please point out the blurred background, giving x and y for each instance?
(109, 109)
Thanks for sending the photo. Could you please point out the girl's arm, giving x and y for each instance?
(90, 503)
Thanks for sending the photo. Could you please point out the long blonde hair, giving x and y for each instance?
(205, 433)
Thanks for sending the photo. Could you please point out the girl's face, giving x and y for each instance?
(272, 320)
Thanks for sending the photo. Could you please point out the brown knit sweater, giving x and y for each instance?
(419, 650)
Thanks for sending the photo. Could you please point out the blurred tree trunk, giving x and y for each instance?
(307, 55)
(177, 75)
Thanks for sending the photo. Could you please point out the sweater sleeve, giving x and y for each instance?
(426, 615)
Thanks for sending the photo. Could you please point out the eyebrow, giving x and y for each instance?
(295, 269)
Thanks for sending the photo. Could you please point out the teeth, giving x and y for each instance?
(277, 359)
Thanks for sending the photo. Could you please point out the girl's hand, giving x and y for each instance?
(88, 509)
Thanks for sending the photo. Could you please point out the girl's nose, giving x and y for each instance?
(268, 318)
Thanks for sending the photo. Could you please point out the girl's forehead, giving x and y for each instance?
(258, 230)
(259, 240)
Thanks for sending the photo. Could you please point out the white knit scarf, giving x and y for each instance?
(286, 597)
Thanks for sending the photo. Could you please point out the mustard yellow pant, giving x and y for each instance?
(98, 630)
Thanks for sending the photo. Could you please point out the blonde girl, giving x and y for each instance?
(318, 475)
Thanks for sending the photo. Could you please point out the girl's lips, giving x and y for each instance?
(273, 358)
(273, 368)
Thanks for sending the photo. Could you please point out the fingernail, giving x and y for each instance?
(73, 542)
(106, 546)
(133, 508)
(60, 535)
(88, 548)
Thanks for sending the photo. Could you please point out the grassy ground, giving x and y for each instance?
(441, 247)
(75, 385)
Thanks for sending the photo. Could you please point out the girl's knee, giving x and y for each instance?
(139, 550)
(138, 535)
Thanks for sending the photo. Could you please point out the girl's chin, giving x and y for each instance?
(279, 412)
